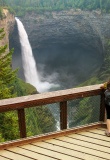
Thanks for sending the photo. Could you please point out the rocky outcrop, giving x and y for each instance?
(69, 44)
(66, 27)
(7, 22)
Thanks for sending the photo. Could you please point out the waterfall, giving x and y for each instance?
(29, 64)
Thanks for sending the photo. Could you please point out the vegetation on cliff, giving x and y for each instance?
(7, 76)
(89, 104)
(21, 6)
(11, 86)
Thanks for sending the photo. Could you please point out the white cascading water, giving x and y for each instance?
(29, 64)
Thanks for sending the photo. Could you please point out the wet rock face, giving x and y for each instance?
(68, 46)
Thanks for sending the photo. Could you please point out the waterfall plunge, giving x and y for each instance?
(29, 64)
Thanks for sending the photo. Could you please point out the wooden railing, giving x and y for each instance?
(62, 96)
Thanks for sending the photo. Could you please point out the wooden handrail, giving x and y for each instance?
(48, 98)
(61, 96)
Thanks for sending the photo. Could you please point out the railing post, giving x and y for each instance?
(102, 107)
(22, 124)
(63, 115)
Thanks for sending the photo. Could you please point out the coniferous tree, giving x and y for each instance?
(7, 75)
(21, 6)
(8, 121)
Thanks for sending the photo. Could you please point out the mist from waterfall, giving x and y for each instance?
(29, 65)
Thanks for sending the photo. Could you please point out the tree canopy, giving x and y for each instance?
(21, 6)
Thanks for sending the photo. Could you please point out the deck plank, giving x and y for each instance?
(91, 139)
(80, 142)
(52, 153)
(86, 145)
(13, 156)
(97, 131)
(103, 129)
(73, 150)
(95, 136)
(81, 148)
(3, 158)
(31, 154)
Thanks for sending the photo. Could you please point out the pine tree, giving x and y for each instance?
(8, 121)
(7, 75)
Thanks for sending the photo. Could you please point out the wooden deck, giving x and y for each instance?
(87, 143)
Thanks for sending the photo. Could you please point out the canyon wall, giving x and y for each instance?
(7, 22)
(68, 45)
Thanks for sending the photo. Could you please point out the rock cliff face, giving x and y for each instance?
(7, 23)
(68, 46)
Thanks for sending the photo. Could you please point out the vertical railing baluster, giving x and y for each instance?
(63, 115)
(102, 107)
(22, 124)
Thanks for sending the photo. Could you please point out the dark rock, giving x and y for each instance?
(69, 45)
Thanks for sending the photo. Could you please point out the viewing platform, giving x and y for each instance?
(85, 141)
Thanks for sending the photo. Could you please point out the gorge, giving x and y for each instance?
(29, 65)
(68, 46)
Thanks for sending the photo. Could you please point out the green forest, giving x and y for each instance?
(21, 6)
